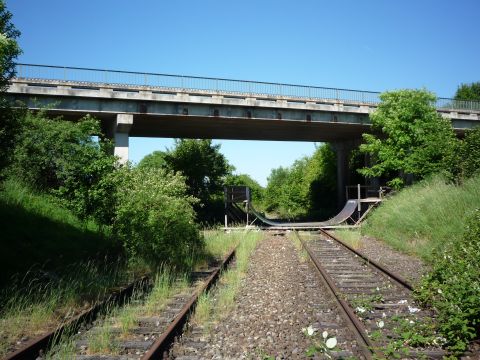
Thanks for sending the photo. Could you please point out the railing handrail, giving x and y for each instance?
(362, 96)
(195, 77)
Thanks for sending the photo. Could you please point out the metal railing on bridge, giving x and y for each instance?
(216, 85)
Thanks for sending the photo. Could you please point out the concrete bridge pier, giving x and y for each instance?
(121, 131)
(342, 150)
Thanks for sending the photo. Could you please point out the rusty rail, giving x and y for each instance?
(164, 342)
(32, 349)
(35, 347)
(349, 316)
(371, 262)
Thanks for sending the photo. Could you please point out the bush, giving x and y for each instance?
(64, 158)
(154, 217)
(453, 287)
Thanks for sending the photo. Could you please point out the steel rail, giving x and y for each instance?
(32, 349)
(165, 341)
(371, 262)
(349, 316)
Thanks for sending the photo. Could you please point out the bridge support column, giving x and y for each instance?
(342, 150)
(122, 126)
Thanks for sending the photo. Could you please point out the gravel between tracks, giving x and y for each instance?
(280, 295)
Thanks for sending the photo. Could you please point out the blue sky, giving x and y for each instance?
(368, 45)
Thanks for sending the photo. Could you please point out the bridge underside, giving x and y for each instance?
(206, 120)
(209, 127)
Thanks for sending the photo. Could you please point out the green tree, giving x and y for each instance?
(469, 154)
(273, 191)
(468, 92)
(204, 169)
(321, 178)
(9, 118)
(307, 189)
(154, 160)
(411, 137)
(65, 158)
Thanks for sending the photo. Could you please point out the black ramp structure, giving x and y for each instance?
(347, 211)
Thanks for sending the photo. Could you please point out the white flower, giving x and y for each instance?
(325, 334)
(380, 324)
(412, 322)
(440, 291)
(378, 289)
(310, 330)
(403, 302)
(360, 309)
(384, 315)
(413, 309)
(331, 343)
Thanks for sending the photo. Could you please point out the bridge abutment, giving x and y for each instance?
(121, 132)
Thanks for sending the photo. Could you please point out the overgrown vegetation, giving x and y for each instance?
(154, 218)
(9, 50)
(425, 216)
(306, 189)
(204, 169)
(42, 300)
(45, 233)
(413, 140)
(453, 286)
(218, 303)
(468, 91)
(66, 159)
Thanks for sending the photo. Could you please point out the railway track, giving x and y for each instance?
(148, 337)
(377, 303)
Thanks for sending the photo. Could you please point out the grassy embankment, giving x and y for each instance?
(39, 233)
(425, 217)
(422, 218)
(52, 264)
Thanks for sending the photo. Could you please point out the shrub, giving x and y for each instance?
(64, 158)
(453, 287)
(154, 217)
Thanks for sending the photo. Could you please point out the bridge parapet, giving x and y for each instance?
(219, 86)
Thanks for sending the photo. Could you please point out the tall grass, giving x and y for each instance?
(215, 305)
(31, 308)
(38, 232)
(351, 237)
(217, 245)
(425, 216)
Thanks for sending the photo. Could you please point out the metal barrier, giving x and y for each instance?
(217, 85)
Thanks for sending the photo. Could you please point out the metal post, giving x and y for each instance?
(247, 203)
(359, 204)
(225, 192)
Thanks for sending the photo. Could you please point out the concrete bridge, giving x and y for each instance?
(162, 105)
